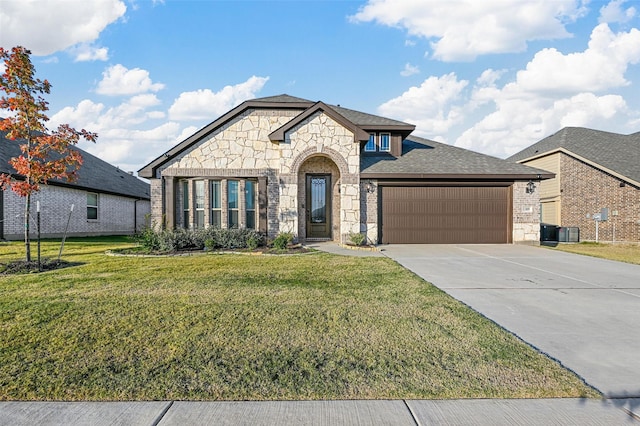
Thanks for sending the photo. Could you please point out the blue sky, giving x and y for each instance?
(494, 76)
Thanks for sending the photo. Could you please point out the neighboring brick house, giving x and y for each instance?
(594, 170)
(106, 200)
(286, 164)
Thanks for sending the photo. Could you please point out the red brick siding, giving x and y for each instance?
(585, 190)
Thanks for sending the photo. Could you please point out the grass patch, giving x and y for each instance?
(629, 253)
(225, 327)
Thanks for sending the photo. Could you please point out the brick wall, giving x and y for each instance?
(585, 190)
(115, 214)
(369, 209)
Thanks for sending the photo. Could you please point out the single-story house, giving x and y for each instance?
(323, 172)
(597, 178)
(105, 200)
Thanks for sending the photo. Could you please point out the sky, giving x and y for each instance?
(493, 76)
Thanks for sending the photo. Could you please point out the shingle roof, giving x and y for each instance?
(358, 118)
(425, 158)
(284, 98)
(612, 151)
(362, 120)
(94, 174)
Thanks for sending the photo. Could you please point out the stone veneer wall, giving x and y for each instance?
(241, 148)
(585, 190)
(526, 214)
(320, 135)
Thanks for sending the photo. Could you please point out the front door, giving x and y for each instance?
(318, 206)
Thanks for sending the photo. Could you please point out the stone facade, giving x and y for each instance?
(526, 214)
(117, 215)
(278, 148)
(242, 149)
(586, 190)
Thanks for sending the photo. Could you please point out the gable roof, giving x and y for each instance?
(614, 153)
(359, 134)
(358, 122)
(422, 158)
(94, 174)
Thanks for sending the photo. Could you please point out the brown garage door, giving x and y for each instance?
(445, 215)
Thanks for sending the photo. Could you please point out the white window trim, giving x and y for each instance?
(375, 145)
(388, 149)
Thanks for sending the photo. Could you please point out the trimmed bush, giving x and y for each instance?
(283, 240)
(181, 239)
(357, 238)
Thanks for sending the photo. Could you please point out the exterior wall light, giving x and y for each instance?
(531, 187)
(370, 186)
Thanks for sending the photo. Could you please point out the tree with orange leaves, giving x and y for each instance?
(45, 154)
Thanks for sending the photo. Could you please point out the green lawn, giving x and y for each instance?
(629, 253)
(234, 327)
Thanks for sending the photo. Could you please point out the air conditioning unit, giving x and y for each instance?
(569, 234)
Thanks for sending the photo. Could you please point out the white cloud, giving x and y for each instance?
(554, 90)
(517, 123)
(204, 104)
(465, 29)
(431, 106)
(118, 80)
(45, 27)
(84, 52)
(409, 70)
(133, 132)
(123, 139)
(601, 66)
(614, 12)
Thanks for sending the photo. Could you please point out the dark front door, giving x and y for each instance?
(318, 206)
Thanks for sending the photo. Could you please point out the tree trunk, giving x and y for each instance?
(27, 242)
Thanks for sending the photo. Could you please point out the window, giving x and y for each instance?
(232, 203)
(199, 198)
(216, 204)
(250, 198)
(371, 144)
(92, 206)
(185, 204)
(385, 142)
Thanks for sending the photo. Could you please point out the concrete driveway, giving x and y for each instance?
(582, 311)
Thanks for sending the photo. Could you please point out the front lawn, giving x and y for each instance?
(234, 327)
(629, 253)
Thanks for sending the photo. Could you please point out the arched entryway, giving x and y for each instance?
(319, 199)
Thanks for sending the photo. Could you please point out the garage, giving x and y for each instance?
(445, 214)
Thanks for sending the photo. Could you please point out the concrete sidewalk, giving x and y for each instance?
(383, 412)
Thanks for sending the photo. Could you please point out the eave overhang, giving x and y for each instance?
(456, 177)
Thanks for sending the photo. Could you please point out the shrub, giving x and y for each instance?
(199, 239)
(357, 238)
(283, 240)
